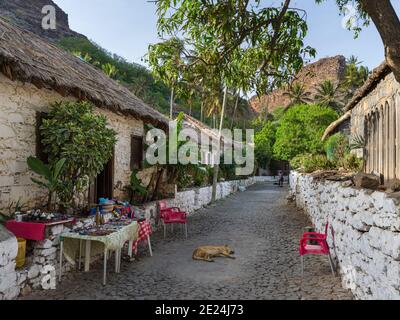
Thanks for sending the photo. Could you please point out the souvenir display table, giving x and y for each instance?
(99, 240)
(145, 231)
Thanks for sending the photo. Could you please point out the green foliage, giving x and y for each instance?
(352, 163)
(135, 77)
(201, 176)
(72, 131)
(135, 187)
(264, 141)
(297, 94)
(110, 70)
(248, 46)
(336, 147)
(328, 95)
(301, 130)
(12, 208)
(308, 163)
(51, 176)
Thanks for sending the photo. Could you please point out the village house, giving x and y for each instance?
(34, 74)
(373, 115)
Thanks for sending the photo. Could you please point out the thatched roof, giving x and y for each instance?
(377, 76)
(26, 57)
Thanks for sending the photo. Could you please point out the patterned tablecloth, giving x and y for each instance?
(145, 231)
(112, 242)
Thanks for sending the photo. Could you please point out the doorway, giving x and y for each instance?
(103, 185)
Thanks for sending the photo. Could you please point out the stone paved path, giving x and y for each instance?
(264, 232)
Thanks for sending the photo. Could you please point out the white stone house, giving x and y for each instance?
(33, 75)
(209, 156)
(374, 115)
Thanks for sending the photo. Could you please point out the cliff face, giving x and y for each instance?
(27, 14)
(310, 77)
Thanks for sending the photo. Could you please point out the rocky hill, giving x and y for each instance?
(27, 14)
(310, 76)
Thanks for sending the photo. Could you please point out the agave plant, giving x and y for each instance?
(357, 142)
(51, 176)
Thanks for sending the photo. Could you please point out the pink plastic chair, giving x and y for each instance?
(171, 216)
(320, 248)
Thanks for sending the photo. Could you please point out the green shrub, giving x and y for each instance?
(336, 147)
(352, 163)
(309, 163)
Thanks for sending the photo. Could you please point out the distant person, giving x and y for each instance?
(281, 178)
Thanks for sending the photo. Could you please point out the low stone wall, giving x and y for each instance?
(366, 229)
(46, 253)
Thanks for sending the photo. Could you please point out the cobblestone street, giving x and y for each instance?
(261, 227)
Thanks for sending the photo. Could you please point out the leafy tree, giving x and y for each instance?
(239, 45)
(73, 132)
(166, 60)
(264, 141)
(328, 95)
(301, 129)
(297, 94)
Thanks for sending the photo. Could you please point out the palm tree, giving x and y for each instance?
(327, 95)
(297, 95)
(355, 75)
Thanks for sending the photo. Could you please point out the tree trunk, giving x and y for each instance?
(201, 109)
(216, 166)
(234, 111)
(387, 22)
(50, 202)
(171, 108)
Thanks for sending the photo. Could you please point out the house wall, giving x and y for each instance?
(387, 90)
(19, 104)
(365, 234)
(377, 118)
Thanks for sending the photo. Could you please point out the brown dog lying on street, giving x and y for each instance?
(209, 252)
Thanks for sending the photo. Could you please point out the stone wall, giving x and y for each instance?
(46, 253)
(8, 253)
(19, 104)
(366, 228)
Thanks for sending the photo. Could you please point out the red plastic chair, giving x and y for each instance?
(320, 248)
(171, 216)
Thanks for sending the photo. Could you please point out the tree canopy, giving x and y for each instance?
(301, 129)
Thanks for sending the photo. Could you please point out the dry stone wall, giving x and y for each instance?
(366, 233)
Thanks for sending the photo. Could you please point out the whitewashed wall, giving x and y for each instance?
(366, 229)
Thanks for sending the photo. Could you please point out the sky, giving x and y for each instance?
(127, 27)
